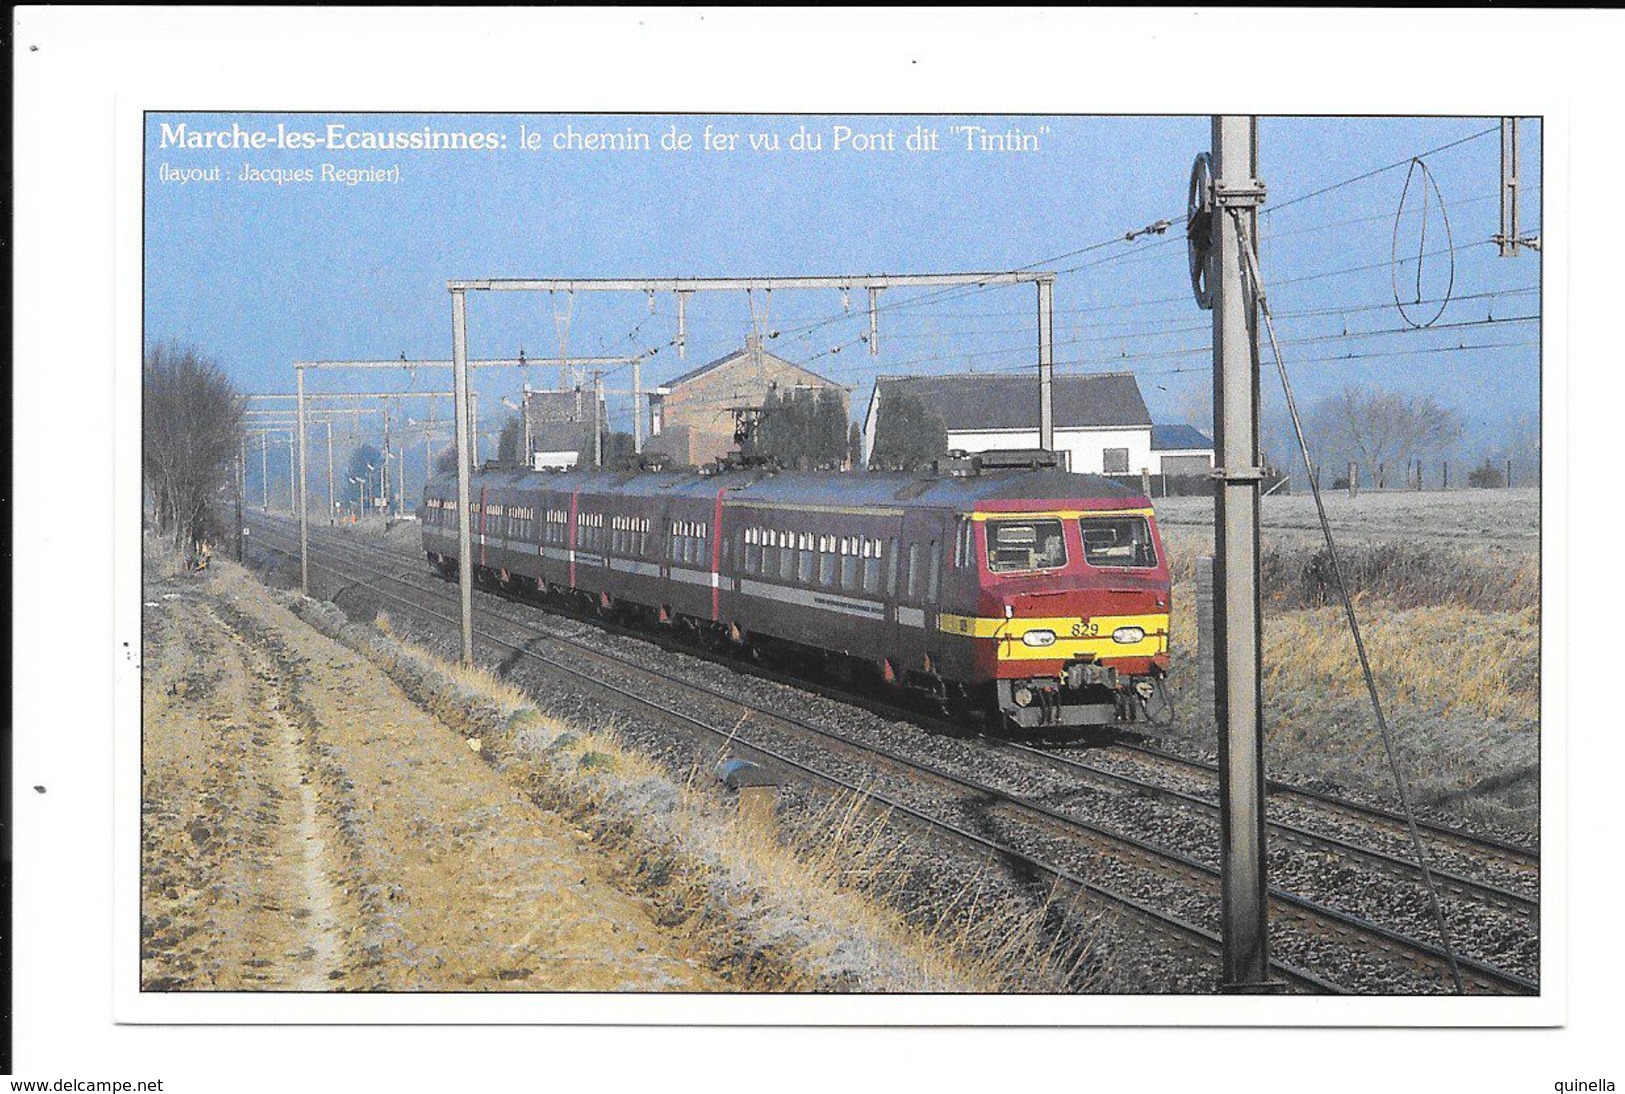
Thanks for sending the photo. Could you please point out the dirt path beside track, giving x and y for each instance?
(307, 827)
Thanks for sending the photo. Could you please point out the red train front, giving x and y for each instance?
(1072, 602)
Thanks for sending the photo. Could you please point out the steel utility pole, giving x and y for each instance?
(465, 537)
(1236, 192)
(637, 406)
(524, 414)
(383, 480)
(873, 284)
(597, 418)
(237, 493)
(304, 509)
(1046, 365)
(330, 471)
(265, 474)
(293, 485)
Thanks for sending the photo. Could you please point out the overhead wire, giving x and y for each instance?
(1374, 172)
(946, 294)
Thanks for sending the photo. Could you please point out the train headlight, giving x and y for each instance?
(1038, 638)
(1023, 696)
(1128, 635)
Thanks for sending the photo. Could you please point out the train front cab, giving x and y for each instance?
(1071, 620)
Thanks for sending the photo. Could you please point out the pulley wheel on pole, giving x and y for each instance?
(1199, 229)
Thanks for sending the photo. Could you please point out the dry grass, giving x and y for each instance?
(1395, 575)
(848, 849)
(817, 908)
(1453, 633)
(1484, 664)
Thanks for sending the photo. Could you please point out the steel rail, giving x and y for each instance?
(1467, 842)
(1483, 975)
(1161, 922)
(1524, 856)
(1468, 888)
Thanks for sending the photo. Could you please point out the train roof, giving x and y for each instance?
(872, 489)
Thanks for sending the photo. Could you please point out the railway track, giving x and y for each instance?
(1171, 869)
(1512, 870)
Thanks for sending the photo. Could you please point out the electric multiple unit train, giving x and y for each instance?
(1035, 595)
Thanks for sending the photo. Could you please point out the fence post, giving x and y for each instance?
(1354, 481)
(1446, 485)
(1204, 638)
(1382, 475)
(1509, 474)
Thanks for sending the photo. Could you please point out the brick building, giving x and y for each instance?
(690, 417)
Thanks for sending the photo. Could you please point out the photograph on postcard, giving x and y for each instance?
(884, 554)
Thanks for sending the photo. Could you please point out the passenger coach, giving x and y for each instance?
(1034, 593)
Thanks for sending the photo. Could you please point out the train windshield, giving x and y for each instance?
(1121, 541)
(1015, 546)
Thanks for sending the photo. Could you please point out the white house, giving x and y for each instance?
(1100, 419)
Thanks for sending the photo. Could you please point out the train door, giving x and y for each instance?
(959, 593)
(919, 585)
(661, 537)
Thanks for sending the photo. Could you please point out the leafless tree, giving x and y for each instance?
(191, 427)
(1375, 427)
(1194, 405)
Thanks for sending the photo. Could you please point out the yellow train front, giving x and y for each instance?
(1034, 595)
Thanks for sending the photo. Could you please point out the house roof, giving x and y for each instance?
(558, 406)
(1179, 437)
(991, 402)
(559, 420)
(736, 355)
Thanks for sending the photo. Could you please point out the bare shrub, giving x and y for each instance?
(192, 425)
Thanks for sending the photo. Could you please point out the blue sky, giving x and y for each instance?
(260, 275)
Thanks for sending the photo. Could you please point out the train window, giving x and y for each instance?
(849, 563)
(1021, 546)
(891, 570)
(871, 565)
(914, 573)
(826, 560)
(965, 544)
(936, 572)
(1121, 541)
(804, 561)
(772, 556)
